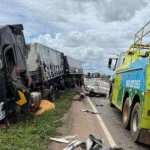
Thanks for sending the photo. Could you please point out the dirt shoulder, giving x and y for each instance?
(75, 123)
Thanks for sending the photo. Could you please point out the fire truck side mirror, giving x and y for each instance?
(109, 63)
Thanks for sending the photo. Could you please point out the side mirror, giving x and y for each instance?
(112, 63)
(109, 63)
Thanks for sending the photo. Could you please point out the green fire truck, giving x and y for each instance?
(131, 86)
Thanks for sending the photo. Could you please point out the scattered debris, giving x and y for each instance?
(79, 96)
(103, 95)
(90, 111)
(63, 139)
(82, 95)
(59, 140)
(91, 144)
(75, 144)
(69, 137)
(99, 105)
(44, 106)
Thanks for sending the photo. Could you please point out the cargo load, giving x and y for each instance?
(49, 60)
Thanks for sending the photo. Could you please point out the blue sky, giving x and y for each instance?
(88, 30)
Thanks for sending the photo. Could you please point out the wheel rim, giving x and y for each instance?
(135, 122)
(125, 113)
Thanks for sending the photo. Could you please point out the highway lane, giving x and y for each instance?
(112, 119)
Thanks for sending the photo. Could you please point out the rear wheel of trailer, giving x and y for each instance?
(49, 94)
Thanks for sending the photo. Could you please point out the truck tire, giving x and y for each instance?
(110, 98)
(52, 94)
(18, 112)
(49, 94)
(3, 120)
(46, 94)
(126, 114)
(3, 115)
(135, 118)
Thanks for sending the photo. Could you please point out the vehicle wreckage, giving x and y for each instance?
(31, 73)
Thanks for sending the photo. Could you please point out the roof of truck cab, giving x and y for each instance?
(3, 28)
(20, 26)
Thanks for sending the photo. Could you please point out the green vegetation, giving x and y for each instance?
(34, 134)
(106, 79)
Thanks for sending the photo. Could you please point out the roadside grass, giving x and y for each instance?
(34, 134)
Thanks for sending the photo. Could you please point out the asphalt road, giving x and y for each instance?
(112, 119)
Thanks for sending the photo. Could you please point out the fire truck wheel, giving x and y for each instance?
(135, 118)
(126, 114)
(110, 98)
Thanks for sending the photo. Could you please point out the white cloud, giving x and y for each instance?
(89, 30)
(82, 46)
(118, 10)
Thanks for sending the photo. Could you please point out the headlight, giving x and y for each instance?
(2, 112)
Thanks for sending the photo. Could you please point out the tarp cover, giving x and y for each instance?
(44, 106)
(49, 59)
(75, 66)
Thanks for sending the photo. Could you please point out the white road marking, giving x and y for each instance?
(107, 134)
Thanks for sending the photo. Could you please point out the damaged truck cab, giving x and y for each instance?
(30, 73)
(13, 73)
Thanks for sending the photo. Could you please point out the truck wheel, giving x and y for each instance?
(110, 98)
(2, 114)
(98, 95)
(52, 94)
(46, 94)
(2, 121)
(135, 118)
(126, 114)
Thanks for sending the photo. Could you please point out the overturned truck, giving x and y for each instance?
(13, 72)
(30, 73)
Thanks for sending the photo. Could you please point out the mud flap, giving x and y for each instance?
(22, 99)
